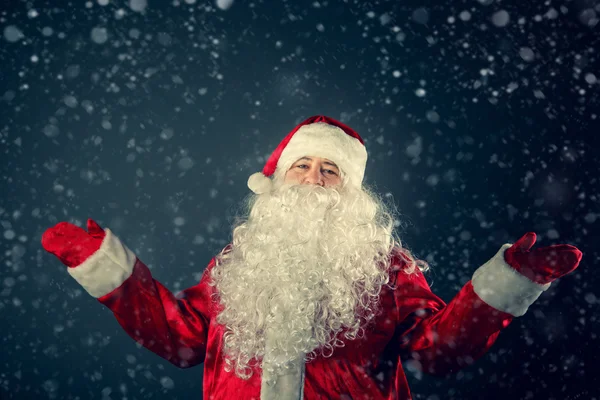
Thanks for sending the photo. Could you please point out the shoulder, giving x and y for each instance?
(400, 260)
(227, 249)
(403, 268)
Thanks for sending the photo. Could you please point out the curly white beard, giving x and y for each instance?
(308, 264)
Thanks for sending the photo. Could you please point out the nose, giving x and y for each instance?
(313, 177)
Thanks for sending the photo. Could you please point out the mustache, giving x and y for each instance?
(311, 197)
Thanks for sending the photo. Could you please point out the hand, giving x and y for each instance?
(72, 244)
(542, 265)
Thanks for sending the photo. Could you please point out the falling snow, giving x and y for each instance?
(480, 119)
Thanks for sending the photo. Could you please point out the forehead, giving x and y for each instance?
(324, 160)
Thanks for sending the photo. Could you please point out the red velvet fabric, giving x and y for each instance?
(414, 324)
(71, 244)
(545, 264)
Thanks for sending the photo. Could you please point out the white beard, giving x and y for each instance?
(308, 264)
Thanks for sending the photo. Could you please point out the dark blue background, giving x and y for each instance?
(154, 131)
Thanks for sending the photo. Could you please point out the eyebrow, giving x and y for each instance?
(324, 162)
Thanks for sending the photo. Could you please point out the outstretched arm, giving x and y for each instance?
(441, 338)
(173, 327)
(444, 338)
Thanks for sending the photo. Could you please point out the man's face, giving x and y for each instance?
(314, 171)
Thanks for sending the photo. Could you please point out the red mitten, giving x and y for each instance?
(71, 244)
(542, 265)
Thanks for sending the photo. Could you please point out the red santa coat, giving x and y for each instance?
(414, 324)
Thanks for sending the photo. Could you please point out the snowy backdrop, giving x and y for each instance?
(480, 118)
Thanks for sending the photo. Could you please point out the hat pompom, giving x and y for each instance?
(259, 183)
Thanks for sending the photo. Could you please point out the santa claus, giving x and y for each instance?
(315, 297)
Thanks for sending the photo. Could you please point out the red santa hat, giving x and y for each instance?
(317, 136)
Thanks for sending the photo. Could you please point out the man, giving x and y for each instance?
(315, 297)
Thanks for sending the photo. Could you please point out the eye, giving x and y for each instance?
(301, 165)
(330, 172)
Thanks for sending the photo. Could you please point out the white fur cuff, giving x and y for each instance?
(287, 384)
(107, 268)
(503, 288)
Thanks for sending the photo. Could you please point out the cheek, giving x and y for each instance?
(334, 178)
(290, 175)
